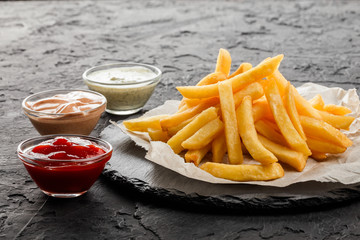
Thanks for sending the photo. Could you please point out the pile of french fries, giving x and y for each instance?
(254, 111)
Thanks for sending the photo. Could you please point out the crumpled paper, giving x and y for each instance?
(343, 168)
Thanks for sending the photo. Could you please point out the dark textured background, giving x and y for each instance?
(48, 44)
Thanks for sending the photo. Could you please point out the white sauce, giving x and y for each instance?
(122, 75)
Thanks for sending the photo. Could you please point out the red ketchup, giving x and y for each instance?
(66, 165)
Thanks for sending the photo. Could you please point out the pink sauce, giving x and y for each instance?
(72, 102)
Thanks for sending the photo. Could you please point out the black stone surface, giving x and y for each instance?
(129, 166)
(48, 44)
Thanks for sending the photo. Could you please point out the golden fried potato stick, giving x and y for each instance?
(196, 101)
(195, 156)
(233, 143)
(204, 135)
(261, 110)
(264, 128)
(286, 155)
(242, 68)
(317, 102)
(179, 117)
(303, 106)
(254, 90)
(173, 130)
(283, 120)
(142, 124)
(318, 156)
(290, 106)
(324, 147)
(319, 129)
(158, 135)
(248, 133)
(212, 78)
(191, 128)
(255, 74)
(244, 173)
(209, 79)
(340, 122)
(336, 110)
(218, 148)
(223, 63)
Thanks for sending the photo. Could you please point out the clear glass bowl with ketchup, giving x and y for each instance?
(64, 166)
(64, 111)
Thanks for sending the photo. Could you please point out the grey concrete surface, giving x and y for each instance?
(48, 45)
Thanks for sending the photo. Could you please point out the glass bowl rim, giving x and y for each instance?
(119, 64)
(52, 136)
(25, 108)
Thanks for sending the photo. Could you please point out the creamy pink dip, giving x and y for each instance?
(72, 102)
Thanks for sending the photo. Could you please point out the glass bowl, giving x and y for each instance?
(63, 178)
(82, 122)
(124, 97)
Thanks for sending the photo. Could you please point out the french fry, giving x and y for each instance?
(244, 172)
(195, 156)
(179, 117)
(232, 137)
(317, 102)
(264, 128)
(303, 106)
(261, 110)
(223, 63)
(248, 133)
(319, 129)
(293, 158)
(337, 110)
(283, 120)
(218, 148)
(158, 135)
(206, 116)
(242, 68)
(340, 122)
(195, 101)
(255, 74)
(254, 90)
(142, 124)
(209, 79)
(318, 156)
(204, 135)
(291, 109)
(173, 130)
(325, 147)
(212, 78)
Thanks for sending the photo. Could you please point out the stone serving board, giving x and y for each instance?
(128, 166)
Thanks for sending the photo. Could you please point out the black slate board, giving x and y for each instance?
(128, 166)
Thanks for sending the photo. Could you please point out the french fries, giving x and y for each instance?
(242, 68)
(144, 123)
(191, 128)
(223, 63)
(243, 172)
(283, 120)
(195, 156)
(255, 111)
(218, 148)
(240, 81)
(249, 136)
(232, 137)
(204, 135)
(292, 111)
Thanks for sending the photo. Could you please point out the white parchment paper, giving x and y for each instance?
(343, 168)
